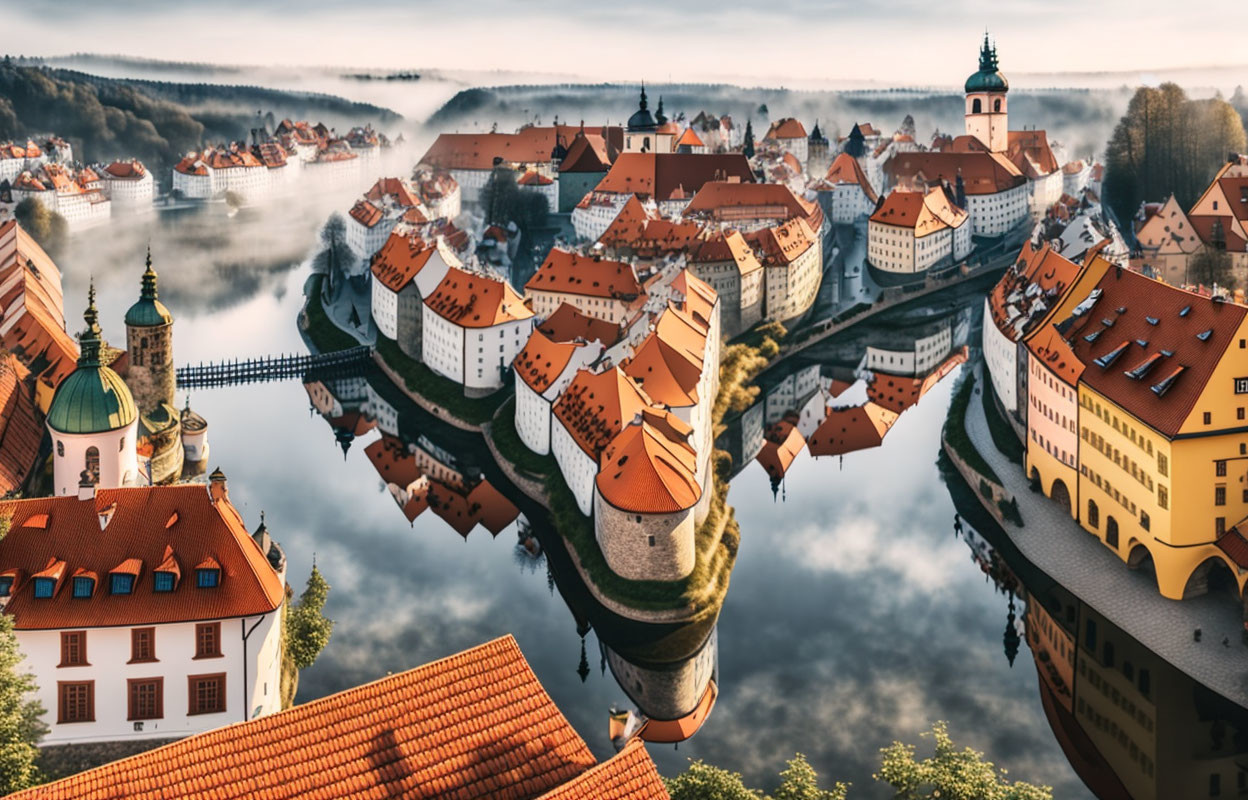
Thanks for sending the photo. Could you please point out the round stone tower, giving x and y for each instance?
(149, 344)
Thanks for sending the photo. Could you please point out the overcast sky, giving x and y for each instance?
(795, 42)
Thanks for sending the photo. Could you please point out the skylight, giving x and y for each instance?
(1142, 342)
(1107, 322)
(1204, 335)
(1140, 370)
(1183, 312)
(1092, 337)
(1111, 356)
(1164, 385)
(1151, 320)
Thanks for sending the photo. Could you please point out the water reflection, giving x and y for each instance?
(1132, 726)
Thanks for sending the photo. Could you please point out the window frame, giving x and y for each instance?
(192, 709)
(81, 643)
(200, 574)
(200, 629)
(158, 576)
(61, 688)
(79, 580)
(135, 634)
(114, 577)
(132, 685)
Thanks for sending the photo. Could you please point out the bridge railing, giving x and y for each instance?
(274, 368)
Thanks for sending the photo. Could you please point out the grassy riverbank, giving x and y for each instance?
(955, 431)
(325, 335)
(422, 380)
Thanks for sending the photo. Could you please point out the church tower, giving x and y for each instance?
(986, 117)
(642, 129)
(149, 344)
(93, 422)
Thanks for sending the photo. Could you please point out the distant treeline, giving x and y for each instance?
(157, 122)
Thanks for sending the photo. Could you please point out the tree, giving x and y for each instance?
(748, 147)
(335, 256)
(799, 781)
(308, 628)
(1211, 265)
(21, 723)
(1167, 143)
(950, 774)
(47, 227)
(701, 781)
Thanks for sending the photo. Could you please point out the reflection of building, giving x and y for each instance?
(672, 699)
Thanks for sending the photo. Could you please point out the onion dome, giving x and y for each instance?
(148, 312)
(642, 119)
(92, 398)
(988, 79)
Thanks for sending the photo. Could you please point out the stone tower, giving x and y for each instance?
(986, 111)
(149, 343)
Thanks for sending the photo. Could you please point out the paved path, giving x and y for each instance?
(1055, 543)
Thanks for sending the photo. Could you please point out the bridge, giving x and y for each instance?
(341, 363)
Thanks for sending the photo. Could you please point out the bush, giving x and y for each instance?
(46, 227)
(1002, 432)
(955, 431)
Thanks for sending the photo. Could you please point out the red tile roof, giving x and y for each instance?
(669, 370)
(727, 202)
(595, 408)
(650, 467)
(925, 212)
(569, 323)
(699, 299)
(588, 153)
(20, 428)
(787, 128)
(38, 337)
(543, 360)
(1012, 298)
(586, 276)
(629, 775)
(725, 246)
(846, 169)
(847, 430)
(1235, 546)
(1143, 299)
(636, 230)
(689, 139)
(475, 301)
(782, 244)
(1032, 146)
(530, 145)
(394, 188)
(982, 173)
(781, 444)
(666, 176)
(1055, 353)
(366, 213)
(400, 259)
(475, 725)
(133, 170)
(136, 531)
(534, 178)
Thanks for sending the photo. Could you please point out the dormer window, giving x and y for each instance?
(163, 582)
(83, 587)
(207, 578)
(44, 587)
(120, 584)
(6, 585)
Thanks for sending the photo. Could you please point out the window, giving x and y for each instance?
(75, 702)
(1219, 468)
(1163, 497)
(93, 464)
(1219, 495)
(1219, 526)
(996, 104)
(977, 106)
(208, 640)
(83, 586)
(6, 585)
(44, 587)
(1094, 515)
(73, 649)
(1089, 634)
(146, 699)
(142, 645)
(1111, 532)
(1208, 417)
(206, 694)
(163, 582)
(207, 578)
(60, 449)
(120, 584)
(1163, 465)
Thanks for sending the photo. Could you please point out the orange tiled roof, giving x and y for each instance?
(588, 153)
(475, 301)
(395, 188)
(1168, 231)
(531, 145)
(726, 246)
(700, 298)
(1055, 353)
(982, 173)
(846, 169)
(543, 360)
(475, 725)
(782, 442)
(587, 276)
(628, 775)
(38, 336)
(393, 462)
(1033, 146)
(689, 139)
(126, 169)
(782, 244)
(595, 408)
(669, 364)
(649, 467)
(569, 323)
(534, 178)
(20, 428)
(787, 128)
(924, 212)
(847, 430)
(667, 176)
(136, 531)
(648, 236)
(737, 201)
(1009, 301)
(400, 259)
(366, 213)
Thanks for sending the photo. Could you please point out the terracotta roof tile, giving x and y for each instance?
(650, 467)
(729, 202)
(781, 444)
(400, 259)
(35, 330)
(848, 430)
(587, 276)
(136, 533)
(542, 360)
(595, 408)
(982, 173)
(569, 323)
(20, 428)
(787, 128)
(475, 301)
(629, 775)
(475, 725)
(531, 145)
(846, 169)
(666, 176)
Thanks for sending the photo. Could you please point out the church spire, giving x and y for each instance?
(92, 338)
(987, 56)
(642, 104)
(148, 291)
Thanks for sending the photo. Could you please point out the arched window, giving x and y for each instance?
(60, 449)
(645, 145)
(996, 104)
(1094, 514)
(1111, 532)
(976, 106)
(93, 464)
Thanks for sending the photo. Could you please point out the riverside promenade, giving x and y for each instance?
(1055, 543)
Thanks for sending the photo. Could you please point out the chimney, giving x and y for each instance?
(217, 488)
(86, 487)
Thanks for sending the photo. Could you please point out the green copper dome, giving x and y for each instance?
(148, 312)
(989, 78)
(92, 398)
